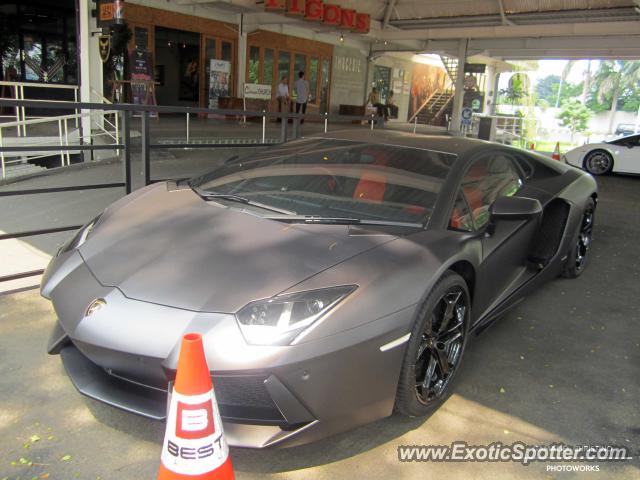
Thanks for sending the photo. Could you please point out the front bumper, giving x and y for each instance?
(125, 355)
(244, 425)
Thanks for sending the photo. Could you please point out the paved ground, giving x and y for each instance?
(562, 366)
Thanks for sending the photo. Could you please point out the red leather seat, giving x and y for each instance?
(371, 187)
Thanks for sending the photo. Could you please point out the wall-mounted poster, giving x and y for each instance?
(142, 83)
(426, 80)
(218, 81)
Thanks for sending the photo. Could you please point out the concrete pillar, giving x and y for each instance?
(459, 87)
(489, 89)
(494, 100)
(242, 57)
(90, 68)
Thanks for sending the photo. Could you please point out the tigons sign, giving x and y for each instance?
(319, 11)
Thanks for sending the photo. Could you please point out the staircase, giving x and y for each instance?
(21, 169)
(451, 65)
(438, 107)
(434, 109)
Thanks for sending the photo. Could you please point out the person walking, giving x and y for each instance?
(283, 96)
(392, 108)
(302, 94)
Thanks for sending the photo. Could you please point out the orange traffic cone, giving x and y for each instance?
(194, 446)
(556, 152)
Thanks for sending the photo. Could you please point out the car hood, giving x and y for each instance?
(169, 246)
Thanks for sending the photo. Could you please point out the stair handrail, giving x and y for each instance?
(443, 107)
(423, 105)
(116, 130)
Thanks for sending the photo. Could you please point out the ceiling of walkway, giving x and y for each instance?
(514, 29)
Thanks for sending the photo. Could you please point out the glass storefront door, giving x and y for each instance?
(210, 52)
(382, 81)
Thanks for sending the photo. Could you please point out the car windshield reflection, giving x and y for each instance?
(335, 179)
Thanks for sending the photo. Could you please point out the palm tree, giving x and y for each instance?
(612, 78)
(563, 78)
(586, 84)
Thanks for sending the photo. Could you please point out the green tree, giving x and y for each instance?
(563, 78)
(517, 90)
(575, 116)
(545, 89)
(615, 85)
(551, 90)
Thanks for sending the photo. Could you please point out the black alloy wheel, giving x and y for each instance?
(579, 254)
(435, 348)
(440, 346)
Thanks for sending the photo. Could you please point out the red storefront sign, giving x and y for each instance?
(275, 5)
(295, 8)
(319, 11)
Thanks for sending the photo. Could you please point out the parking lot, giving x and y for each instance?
(562, 366)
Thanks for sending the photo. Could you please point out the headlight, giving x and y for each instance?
(80, 237)
(278, 320)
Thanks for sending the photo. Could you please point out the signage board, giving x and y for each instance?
(466, 115)
(110, 12)
(257, 91)
(474, 68)
(322, 12)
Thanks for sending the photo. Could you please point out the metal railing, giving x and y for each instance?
(124, 113)
(509, 128)
(424, 104)
(18, 94)
(66, 137)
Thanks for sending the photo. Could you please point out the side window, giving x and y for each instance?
(461, 215)
(487, 179)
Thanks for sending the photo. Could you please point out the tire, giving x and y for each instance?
(598, 162)
(428, 349)
(579, 253)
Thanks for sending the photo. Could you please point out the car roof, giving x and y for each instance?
(442, 143)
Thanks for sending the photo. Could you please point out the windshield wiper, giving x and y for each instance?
(342, 221)
(240, 199)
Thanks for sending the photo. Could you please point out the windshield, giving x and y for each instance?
(336, 179)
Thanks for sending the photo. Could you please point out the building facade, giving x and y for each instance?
(178, 44)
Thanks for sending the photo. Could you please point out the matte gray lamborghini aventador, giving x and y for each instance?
(334, 279)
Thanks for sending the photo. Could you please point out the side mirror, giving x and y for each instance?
(514, 208)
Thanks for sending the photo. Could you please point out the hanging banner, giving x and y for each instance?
(219, 72)
(142, 82)
(104, 45)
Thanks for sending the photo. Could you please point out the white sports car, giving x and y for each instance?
(620, 155)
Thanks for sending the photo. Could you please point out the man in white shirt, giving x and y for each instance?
(283, 96)
(302, 94)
